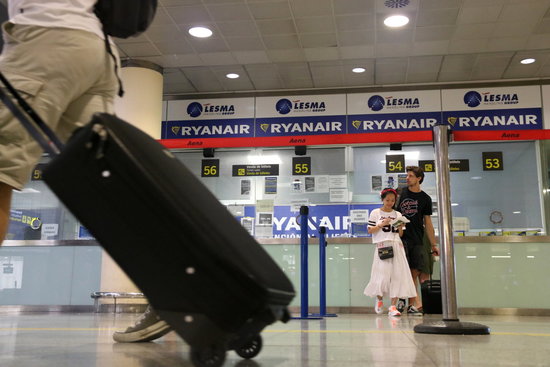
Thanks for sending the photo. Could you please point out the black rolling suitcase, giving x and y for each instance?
(431, 295)
(200, 269)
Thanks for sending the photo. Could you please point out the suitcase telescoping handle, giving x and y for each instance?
(36, 127)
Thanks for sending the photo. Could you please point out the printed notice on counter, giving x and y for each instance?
(248, 224)
(264, 226)
(376, 183)
(338, 182)
(338, 195)
(236, 210)
(297, 185)
(265, 219)
(310, 184)
(264, 206)
(321, 184)
(296, 204)
(358, 215)
(245, 187)
(270, 185)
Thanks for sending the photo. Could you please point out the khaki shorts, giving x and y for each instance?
(66, 75)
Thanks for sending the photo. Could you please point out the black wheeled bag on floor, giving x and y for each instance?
(431, 297)
(199, 268)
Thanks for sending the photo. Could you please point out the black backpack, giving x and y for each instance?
(125, 18)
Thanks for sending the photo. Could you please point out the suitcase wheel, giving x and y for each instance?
(251, 348)
(211, 356)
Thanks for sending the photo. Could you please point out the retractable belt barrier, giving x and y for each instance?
(323, 273)
(304, 284)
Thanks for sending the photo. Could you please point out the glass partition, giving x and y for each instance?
(506, 201)
(509, 201)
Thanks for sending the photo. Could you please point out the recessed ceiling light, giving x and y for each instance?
(232, 76)
(396, 21)
(358, 70)
(200, 32)
(527, 61)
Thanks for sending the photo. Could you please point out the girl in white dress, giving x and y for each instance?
(389, 277)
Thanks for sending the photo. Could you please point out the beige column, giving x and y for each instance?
(141, 106)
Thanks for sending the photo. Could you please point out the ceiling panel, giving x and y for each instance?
(271, 10)
(311, 8)
(188, 14)
(437, 17)
(240, 28)
(315, 25)
(280, 44)
(226, 12)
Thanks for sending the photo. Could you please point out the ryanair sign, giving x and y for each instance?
(304, 126)
(208, 129)
(300, 115)
(216, 118)
(509, 108)
(391, 112)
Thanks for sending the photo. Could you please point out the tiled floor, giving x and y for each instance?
(84, 340)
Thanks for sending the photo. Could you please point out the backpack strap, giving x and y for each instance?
(110, 51)
(30, 120)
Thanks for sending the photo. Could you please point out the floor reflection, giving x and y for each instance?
(53, 340)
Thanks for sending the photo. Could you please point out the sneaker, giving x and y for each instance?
(393, 311)
(148, 327)
(413, 311)
(401, 303)
(378, 306)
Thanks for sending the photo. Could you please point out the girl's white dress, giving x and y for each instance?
(390, 277)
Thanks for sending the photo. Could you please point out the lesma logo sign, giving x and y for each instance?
(474, 99)
(195, 109)
(376, 102)
(284, 106)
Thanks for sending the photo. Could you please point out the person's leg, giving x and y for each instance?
(379, 304)
(414, 275)
(413, 301)
(5, 203)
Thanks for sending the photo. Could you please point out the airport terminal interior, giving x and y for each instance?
(280, 105)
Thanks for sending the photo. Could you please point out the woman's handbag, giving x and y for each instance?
(385, 252)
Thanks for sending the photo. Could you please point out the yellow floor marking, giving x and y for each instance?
(395, 332)
(503, 333)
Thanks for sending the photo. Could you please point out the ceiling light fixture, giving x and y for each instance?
(232, 76)
(396, 21)
(200, 32)
(358, 70)
(527, 61)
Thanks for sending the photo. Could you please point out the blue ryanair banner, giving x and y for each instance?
(336, 218)
(301, 115)
(320, 125)
(393, 112)
(215, 118)
(507, 108)
(348, 118)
